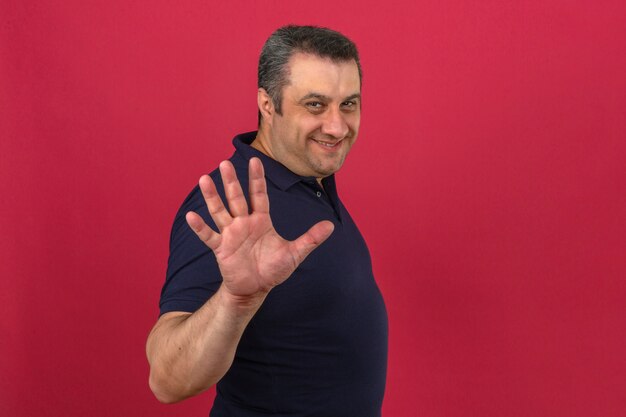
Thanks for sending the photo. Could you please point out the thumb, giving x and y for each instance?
(311, 239)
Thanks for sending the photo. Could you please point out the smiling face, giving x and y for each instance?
(321, 112)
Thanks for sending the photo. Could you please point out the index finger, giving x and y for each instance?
(259, 201)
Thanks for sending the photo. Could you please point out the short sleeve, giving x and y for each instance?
(192, 272)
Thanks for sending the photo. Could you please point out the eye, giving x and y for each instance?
(349, 105)
(315, 106)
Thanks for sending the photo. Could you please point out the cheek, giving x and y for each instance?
(354, 121)
(309, 124)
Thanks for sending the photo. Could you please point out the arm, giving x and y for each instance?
(190, 352)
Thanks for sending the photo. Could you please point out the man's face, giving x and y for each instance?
(321, 108)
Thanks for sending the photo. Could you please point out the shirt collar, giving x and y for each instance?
(276, 172)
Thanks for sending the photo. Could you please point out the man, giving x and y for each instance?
(269, 290)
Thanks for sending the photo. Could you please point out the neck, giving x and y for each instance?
(259, 143)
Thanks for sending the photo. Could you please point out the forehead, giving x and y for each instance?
(310, 73)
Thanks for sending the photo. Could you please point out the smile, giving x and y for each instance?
(327, 144)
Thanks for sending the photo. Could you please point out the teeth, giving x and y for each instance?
(328, 145)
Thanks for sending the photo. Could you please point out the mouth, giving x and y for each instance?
(329, 145)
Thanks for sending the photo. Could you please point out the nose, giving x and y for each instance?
(335, 124)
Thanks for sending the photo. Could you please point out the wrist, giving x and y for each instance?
(241, 304)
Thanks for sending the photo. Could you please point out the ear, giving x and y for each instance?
(266, 105)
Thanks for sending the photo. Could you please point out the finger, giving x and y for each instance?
(315, 236)
(210, 238)
(214, 203)
(237, 204)
(258, 188)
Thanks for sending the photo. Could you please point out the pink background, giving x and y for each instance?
(489, 180)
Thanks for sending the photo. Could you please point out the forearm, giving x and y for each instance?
(190, 353)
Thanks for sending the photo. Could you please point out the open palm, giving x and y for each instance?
(252, 257)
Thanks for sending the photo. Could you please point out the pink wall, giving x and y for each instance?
(489, 180)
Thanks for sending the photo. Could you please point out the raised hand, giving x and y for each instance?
(252, 257)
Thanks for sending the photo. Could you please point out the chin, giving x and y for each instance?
(329, 171)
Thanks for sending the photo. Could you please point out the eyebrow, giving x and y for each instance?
(353, 96)
(326, 98)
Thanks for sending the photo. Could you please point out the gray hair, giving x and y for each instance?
(273, 72)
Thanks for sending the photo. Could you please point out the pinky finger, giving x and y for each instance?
(203, 231)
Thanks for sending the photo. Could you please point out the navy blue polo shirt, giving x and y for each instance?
(318, 344)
